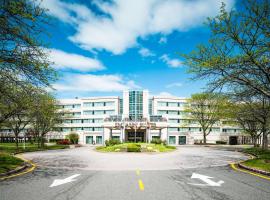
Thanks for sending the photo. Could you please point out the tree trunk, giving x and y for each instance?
(17, 142)
(254, 141)
(204, 137)
(265, 141)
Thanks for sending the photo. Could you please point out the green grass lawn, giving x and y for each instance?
(136, 147)
(262, 161)
(11, 147)
(8, 162)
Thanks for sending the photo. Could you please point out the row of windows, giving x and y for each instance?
(99, 112)
(98, 104)
(82, 129)
(190, 129)
(184, 121)
(87, 104)
(171, 104)
(230, 130)
(74, 121)
(171, 112)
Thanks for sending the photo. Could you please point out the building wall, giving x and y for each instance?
(86, 116)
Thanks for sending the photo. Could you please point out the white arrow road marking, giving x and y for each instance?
(57, 182)
(206, 179)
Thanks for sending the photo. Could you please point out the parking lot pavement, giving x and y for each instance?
(80, 181)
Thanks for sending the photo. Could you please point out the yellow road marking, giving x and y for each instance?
(24, 172)
(245, 171)
(141, 186)
(138, 172)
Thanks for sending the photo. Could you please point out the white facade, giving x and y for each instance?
(135, 117)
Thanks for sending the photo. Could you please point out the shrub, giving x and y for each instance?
(73, 138)
(54, 140)
(156, 141)
(112, 142)
(221, 142)
(63, 142)
(133, 147)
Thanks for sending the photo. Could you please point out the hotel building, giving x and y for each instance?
(137, 117)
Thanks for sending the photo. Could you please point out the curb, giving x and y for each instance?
(254, 170)
(27, 167)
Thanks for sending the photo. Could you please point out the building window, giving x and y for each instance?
(88, 128)
(66, 129)
(87, 104)
(68, 106)
(76, 121)
(161, 112)
(162, 103)
(88, 112)
(89, 140)
(173, 129)
(135, 105)
(76, 114)
(76, 105)
(76, 129)
(98, 112)
(172, 140)
(173, 121)
(172, 104)
(109, 112)
(172, 112)
(98, 104)
(98, 139)
(87, 121)
(116, 137)
(99, 129)
(109, 103)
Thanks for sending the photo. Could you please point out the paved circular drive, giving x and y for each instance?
(87, 158)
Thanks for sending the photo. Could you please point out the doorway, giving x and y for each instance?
(182, 140)
(139, 136)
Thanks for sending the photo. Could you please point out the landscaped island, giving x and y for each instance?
(116, 146)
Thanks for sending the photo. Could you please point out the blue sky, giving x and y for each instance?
(103, 47)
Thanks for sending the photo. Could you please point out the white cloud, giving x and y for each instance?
(124, 21)
(144, 52)
(174, 63)
(176, 84)
(162, 40)
(94, 83)
(64, 60)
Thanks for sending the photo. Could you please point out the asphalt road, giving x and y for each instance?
(136, 176)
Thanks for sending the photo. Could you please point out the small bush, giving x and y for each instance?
(221, 142)
(112, 142)
(54, 140)
(156, 141)
(73, 138)
(64, 142)
(133, 147)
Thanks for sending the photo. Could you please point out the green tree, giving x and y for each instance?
(73, 138)
(46, 116)
(237, 54)
(207, 109)
(22, 29)
(22, 108)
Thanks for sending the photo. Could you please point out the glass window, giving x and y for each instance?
(173, 120)
(172, 112)
(173, 129)
(155, 137)
(161, 112)
(68, 106)
(110, 112)
(76, 105)
(99, 104)
(172, 140)
(88, 128)
(98, 129)
(183, 129)
(98, 120)
(68, 121)
(193, 129)
(215, 130)
(116, 137)
(162, 103)
(98, 112)
(77, 114)
(109, 103)
(87, 104)
(89, 139)
(98, 139)
(76, 129)
(172, 104)
(87, 121)
(76, 121)
(88, 112)
(66, 129)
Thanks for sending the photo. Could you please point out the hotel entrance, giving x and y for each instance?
(138, 136)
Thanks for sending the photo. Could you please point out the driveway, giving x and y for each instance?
(187, 173)
(87, 158)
